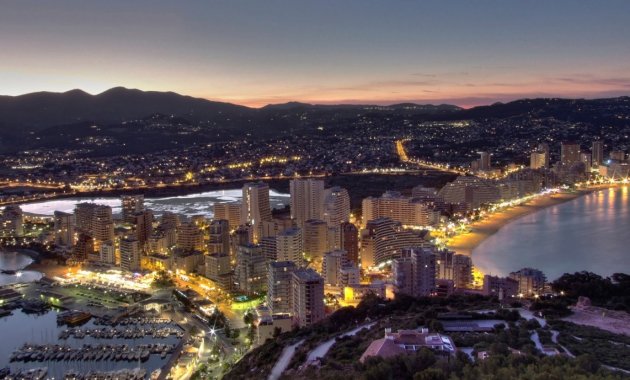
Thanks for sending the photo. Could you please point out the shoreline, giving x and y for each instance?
(481, 230)
(45, 266)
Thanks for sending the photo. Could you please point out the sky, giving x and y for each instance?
(256, 52)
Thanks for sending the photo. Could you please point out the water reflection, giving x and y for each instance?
(13, 261)
(588, 233)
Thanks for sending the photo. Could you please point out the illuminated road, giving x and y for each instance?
(402, 155)
(36, 185)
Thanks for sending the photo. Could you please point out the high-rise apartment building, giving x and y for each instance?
(414, 272)
(169, 220)
(84, 247)
(143, 221)
(587, 160)
(350, 241)
(455, 267)
(279, 288)
(469, 190)
(484, 161)
(130, 254)
(218, 268)
(335, 206)
(230, 211)
(406, 210)
(95, 221)
(538, 160)
(349, 275)
(189, 237)
(107, 253)
(531, 282)
(501, 287)
(387, 238)
(315, 236)
(12, 221)
(131, 205)
(598, 152)
(251, 269)
(64, 229)
(569, 153)
(618, 155)
(216, 265)
(290, 246)
(219, 236)
(307, 297)
(306, 199)
(243, 235)
(269, 248)
(544, 148)
(331, 267)
(256, 207)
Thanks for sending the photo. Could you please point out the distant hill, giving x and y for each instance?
(408, 107)
(44, 109)
(559, 108)
(40, 110)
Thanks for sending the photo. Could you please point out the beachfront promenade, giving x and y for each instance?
(465, 242)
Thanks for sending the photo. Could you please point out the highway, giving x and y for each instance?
(404, 157)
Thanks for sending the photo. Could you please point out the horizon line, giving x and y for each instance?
(346, 102)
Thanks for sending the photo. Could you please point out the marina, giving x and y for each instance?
(102, 348)
(113, 333)
(87, 352)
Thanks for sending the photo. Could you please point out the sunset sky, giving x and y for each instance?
(343, 51)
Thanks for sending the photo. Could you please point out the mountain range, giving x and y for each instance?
(56, 120)
(44, 109)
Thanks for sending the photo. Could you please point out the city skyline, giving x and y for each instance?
(462, 54)
(438, 189)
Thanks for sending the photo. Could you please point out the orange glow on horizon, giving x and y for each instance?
(386, 92)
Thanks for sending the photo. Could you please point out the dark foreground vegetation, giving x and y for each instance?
(608, 348)
(610, 292)
(405, 312)
(512, 351)
(501, 365)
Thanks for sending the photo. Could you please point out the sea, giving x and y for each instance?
(591, 233)
(16, 262)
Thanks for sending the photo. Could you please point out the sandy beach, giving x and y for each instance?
(481, 230)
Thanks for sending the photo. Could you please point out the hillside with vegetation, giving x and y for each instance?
(513, 347)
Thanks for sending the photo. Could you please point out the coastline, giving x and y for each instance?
(481, 230)
(22, 274)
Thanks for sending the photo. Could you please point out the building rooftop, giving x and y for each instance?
(281, 264)
(307, 275)
(290, 232)
(405, 341)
